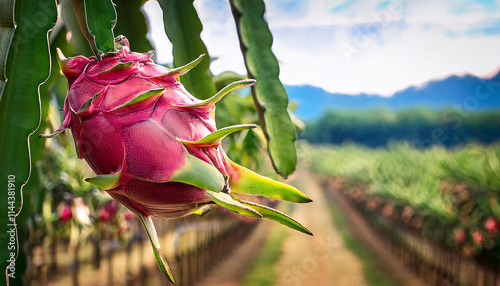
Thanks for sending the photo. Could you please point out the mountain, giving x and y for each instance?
(467, 92)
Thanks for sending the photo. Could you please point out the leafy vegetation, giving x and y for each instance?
(422, 127)
(448, 196)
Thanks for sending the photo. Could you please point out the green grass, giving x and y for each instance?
(375, 273)
(262, 271)
(448, 189)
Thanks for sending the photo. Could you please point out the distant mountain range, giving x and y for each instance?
(467, 92)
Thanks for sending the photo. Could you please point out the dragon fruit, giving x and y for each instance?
(491, 224)
(65, 213)
(154, 147)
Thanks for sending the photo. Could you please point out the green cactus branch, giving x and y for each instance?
(183, 28)
(131, 22)
(7, 28)
(96, 20)
(269, 94)
(25, 66)
(77, 42)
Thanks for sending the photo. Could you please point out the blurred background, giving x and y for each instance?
(397, 110)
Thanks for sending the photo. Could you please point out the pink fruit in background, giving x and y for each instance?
(110, 210)
(460, 235)
(123, 227)
(104, 216)
(372, 204)
(65, 213)
(111, 207)
(128, 215)
(491, 224)
(154, 147)
(477, 237)
(388, 210)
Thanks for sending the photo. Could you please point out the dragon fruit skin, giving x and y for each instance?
(140, 139)
(154, 147)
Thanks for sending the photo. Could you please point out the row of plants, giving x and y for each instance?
(424, 126)
(66, 206)
(450, 197)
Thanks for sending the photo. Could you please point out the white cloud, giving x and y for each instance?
(220, 36)
(391, 48)
(156, 33)
(394, 45)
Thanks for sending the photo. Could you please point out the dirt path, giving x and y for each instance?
(322, 259)
(319, 260)
(363, 232)
(230, 271)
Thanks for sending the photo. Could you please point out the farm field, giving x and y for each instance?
(446, 194)
(445, 198)
(373, 209)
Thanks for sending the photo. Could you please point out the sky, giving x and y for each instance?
(356, 46)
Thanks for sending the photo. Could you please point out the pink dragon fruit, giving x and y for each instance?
(65, 213)
(460, 236)
(491, 224)
(154, 147)
(108, 212)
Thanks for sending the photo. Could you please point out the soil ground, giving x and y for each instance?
(320, 260)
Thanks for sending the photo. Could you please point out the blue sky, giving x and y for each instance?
(354, 46)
